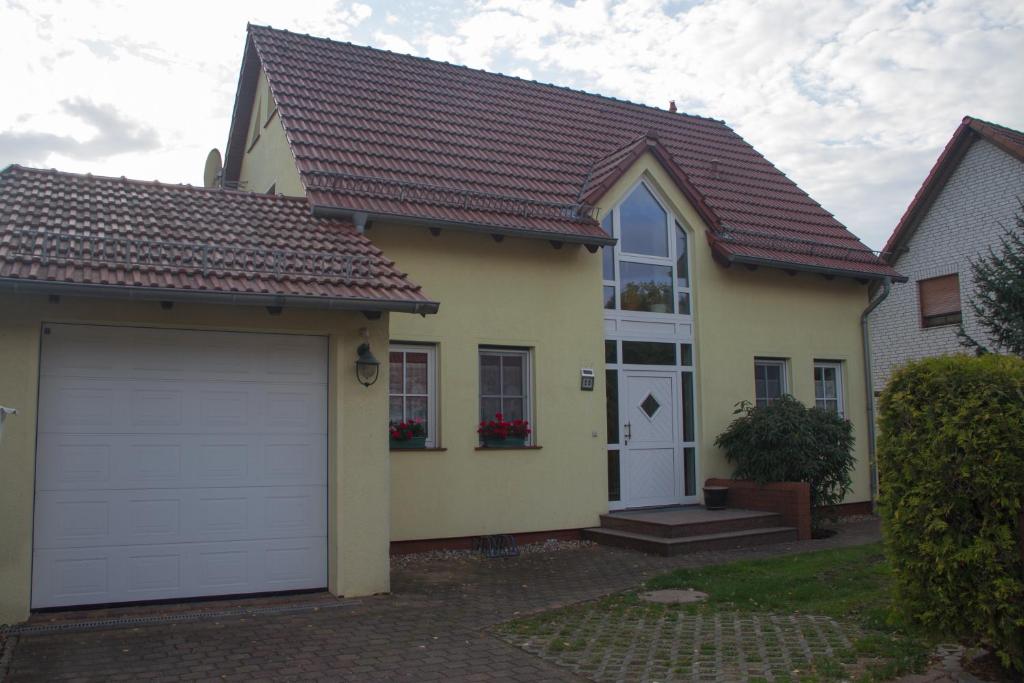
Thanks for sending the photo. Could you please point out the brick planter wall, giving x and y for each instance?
(791, 499)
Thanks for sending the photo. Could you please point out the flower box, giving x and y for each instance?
(407, 434)
(498, 433)
(414, 442)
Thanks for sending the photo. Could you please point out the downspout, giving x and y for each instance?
(866, 341)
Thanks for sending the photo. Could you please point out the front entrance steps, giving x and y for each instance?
(688, 529)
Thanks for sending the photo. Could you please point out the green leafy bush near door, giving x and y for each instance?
(787, 441)
(951, 459)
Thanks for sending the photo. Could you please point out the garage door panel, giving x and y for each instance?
(159, 572)
(127, 461)
(83, 405)
(141, 353)
(89, 406)
(176, 463)
(139, 517)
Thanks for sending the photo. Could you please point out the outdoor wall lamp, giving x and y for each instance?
(367, 366)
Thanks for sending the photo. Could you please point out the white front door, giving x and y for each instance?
(652, 467)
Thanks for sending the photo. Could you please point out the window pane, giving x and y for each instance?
(489, 407)
(614, 487)
(684, 303)
(682, 267)
(415, 373)
(395, 362)
(416, 409)
(512, 409)
(686, 354)
(690, 469)
(611, 352)
(490, 369)
(609, 298)
(688, 431)
(646, 287)
(648, 353)
(395, 409)
(611, 380)
(512, 375)
(643, 224)
(768, 381)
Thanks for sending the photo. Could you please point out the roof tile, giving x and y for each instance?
(351, 111)
(83, 229)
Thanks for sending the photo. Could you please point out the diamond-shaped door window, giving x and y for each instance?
(650, 406)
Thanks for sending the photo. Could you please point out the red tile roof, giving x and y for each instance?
(395, 135)
(163, 241)
(970, 130)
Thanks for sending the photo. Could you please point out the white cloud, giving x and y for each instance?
(170, 68)
(853, 99)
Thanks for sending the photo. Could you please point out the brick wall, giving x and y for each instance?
(792, 500)
(965, 219)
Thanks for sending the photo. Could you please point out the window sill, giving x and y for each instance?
(508, 448)
(415, 450)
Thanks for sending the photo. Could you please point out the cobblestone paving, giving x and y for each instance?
(433, 627)
(676, 646)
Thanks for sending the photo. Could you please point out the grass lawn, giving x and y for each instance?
(817, 617)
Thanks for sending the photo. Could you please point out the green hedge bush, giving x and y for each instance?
(951, 463)
(787, 441)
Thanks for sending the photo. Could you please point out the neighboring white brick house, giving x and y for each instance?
(962, 209)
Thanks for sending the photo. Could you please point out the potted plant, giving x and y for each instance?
(408, 434)
(498, 433)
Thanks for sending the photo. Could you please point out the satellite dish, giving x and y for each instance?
(214, 167)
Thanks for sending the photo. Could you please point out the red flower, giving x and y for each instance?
(406, 430)
(498, 429)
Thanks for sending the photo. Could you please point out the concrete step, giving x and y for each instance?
(668, 524)
(660, 545)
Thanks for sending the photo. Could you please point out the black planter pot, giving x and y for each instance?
(715, 497)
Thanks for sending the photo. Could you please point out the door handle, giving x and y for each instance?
(629, 433)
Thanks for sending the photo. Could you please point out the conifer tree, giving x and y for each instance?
(998, 302)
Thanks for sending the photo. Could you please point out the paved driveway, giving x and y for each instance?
(431, 628)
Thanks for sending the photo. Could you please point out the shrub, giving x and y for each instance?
(787, 441)
(951, 458)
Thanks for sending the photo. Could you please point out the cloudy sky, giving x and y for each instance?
(854, 100)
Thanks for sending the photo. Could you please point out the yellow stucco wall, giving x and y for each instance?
(550, 300)
(269, 161)
(518, 293)
(358, 473)
(740, 314)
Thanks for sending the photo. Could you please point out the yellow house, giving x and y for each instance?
(191, 416)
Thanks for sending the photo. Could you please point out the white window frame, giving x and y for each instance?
(838, 367)
(782, 364)
(525, 354)
(669, 261)
(432, 422)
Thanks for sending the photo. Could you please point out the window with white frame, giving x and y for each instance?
(828, 386)
(412, 393)
(769, 380)
(648, 270)
(505, 383)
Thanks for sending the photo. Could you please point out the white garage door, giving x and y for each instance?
(174, 463)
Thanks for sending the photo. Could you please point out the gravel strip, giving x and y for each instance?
(549, 546)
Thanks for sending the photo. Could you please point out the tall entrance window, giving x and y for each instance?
(649, 270)
(650, 384)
